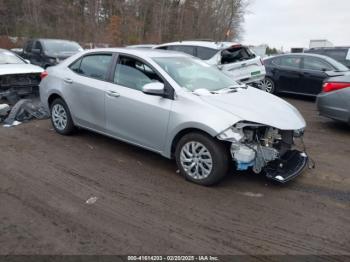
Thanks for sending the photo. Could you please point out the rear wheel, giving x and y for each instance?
(267, 85)
(202, 159)
(61, 118)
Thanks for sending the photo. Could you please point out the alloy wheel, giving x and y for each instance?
(266, 85)
(59, 117)
(196, 160)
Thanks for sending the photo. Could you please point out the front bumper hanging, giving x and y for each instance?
(289, 166)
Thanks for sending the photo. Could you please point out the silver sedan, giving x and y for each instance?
(179, 107)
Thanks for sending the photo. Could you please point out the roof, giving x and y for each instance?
(302, 54)
(213, 45)
(329, 47)
(150, 53)
(52, 39)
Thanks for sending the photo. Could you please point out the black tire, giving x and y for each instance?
(267, 80)
(69, 127)
(219, 155)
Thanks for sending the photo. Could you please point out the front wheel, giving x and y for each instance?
(202, 159)
(267, 85)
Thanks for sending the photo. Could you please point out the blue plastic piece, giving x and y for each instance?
(244, 166)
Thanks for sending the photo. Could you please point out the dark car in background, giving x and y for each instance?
(299, 73)
(341, 54)
(49, 52)
(334, 101)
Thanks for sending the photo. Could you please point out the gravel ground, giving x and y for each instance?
(89, 194)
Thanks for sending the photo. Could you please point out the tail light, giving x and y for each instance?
(329, 87)
(43, 75)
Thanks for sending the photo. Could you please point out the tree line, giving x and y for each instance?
(122, 22)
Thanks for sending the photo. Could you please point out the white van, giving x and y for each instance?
(235, 60)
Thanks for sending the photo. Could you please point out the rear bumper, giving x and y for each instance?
(335, 105)
(289, 166)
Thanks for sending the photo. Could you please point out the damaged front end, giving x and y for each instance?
(266, 150)
(15, 86)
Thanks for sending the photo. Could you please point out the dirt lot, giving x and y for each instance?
(144, 207)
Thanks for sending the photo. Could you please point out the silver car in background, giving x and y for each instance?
(177, 106)
(334, 101)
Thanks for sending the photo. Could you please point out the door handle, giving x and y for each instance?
(68, 81)
(113, 93)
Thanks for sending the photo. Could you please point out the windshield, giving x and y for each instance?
(7, 57)
(59, 46)
(194, 74)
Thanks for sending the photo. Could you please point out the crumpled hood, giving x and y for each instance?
(13, 69)
(254, 105)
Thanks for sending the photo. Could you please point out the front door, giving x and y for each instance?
(132, 115)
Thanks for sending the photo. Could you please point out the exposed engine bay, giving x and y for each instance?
(267, 149)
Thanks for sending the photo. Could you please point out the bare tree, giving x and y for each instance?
(121, 22)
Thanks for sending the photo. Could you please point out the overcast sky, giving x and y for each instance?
(292, 23)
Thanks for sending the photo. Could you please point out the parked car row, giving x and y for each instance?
(190, 101)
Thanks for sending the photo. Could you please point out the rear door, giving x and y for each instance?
(86, 84)
(241, 63)
(313, 74)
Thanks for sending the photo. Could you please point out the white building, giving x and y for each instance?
(320, 43)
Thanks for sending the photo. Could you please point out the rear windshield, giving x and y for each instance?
(236, 54)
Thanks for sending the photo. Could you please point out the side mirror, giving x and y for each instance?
(155, 89)
(27, 61)
(36, 51)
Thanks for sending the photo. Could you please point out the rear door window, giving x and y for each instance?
(94, 66)
(311, 63)
(205, 53)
